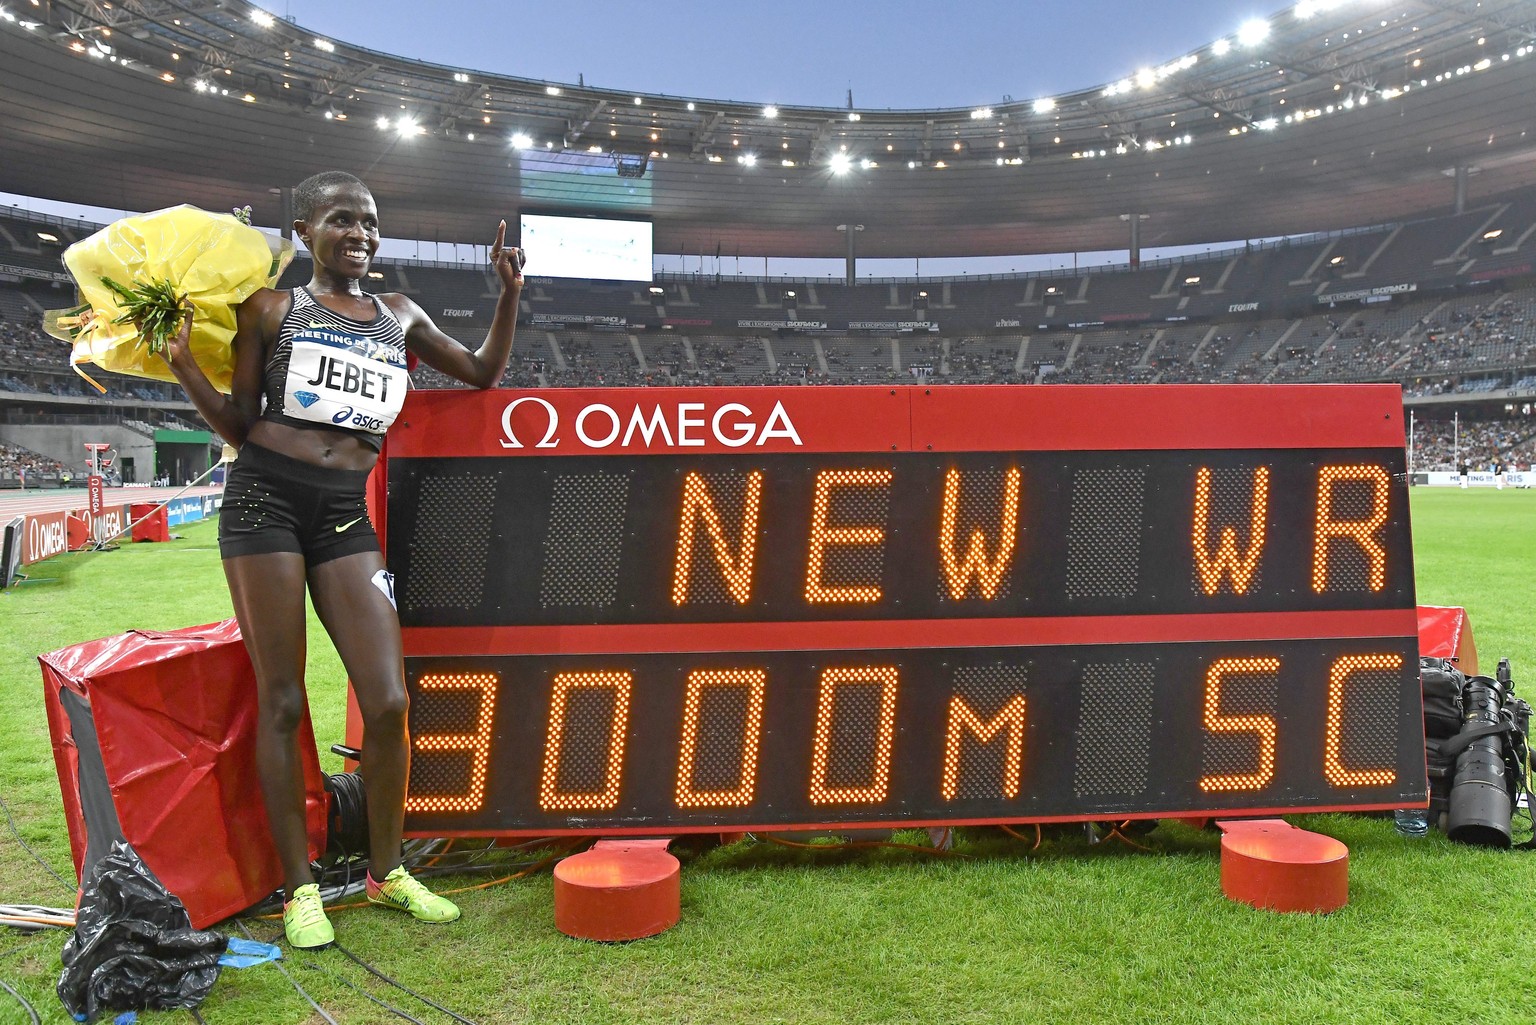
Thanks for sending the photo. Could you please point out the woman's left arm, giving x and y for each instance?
(484, 366)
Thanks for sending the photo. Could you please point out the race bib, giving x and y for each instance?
(344, 380)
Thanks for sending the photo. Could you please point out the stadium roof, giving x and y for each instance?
(1329, 114)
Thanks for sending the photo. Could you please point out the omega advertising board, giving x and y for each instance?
(644, 610)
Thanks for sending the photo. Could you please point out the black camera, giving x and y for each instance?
(1490, 752)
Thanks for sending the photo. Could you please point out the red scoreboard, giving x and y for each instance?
(654, 610)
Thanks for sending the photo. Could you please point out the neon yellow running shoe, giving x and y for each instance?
(401, 891)
(304, 921)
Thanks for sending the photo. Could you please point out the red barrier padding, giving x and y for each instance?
(1446, 632)
(154, 740)
(1271, 864)
(150, 522)
(618, 890)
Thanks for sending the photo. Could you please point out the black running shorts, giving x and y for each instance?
(275, 503)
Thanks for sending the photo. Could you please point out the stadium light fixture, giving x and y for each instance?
(690, 105)
(47, 236)
(854, 115)
(551, 90)
(981, 114)
(521, 140)
(867, 164)
(326, 45)
(1253, 32)
(770, 111)
(1044, 105)
(470, 136)
(407, 128)
(1221, 47)
(639, 101)
(262, 18)
(748, 159)
(460, 77)
(1146, 78)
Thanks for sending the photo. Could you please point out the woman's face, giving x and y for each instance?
(343, 234)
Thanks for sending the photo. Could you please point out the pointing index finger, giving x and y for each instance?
(501, 235)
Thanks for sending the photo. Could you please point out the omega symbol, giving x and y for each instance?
(511, 440)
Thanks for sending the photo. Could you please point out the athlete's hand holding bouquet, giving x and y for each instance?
(140, 279)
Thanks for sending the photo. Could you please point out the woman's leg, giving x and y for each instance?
(366, 631)
(268, 593)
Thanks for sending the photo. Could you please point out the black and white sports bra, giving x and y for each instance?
(336, 373)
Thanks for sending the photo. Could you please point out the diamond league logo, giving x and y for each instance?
(678, 425)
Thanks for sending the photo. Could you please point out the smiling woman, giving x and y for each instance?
(320, 374)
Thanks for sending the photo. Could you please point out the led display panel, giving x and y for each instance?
(586, 247)
(690, 609)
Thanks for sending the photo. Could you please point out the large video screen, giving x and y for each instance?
(587, 247)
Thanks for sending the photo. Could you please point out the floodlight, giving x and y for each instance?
(521, 140)
(749, 159)
(1045, 105)
(842, 163)
(263, 19)
(326, 45)
(1221, 47)
(770, 111)
(1253, 32)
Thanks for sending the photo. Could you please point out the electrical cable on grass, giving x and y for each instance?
(278, 964)
(391, 1008)
(26, 847)
(1020, 836)
(25, 1003)
(371, 970)
(853, 844)
(197, 1017)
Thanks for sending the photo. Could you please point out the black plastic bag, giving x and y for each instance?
(134, 947)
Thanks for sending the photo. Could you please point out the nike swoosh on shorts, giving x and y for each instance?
(343, 526)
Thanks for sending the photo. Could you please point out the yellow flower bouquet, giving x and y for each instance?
(138, 277)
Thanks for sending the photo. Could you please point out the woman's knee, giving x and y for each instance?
(282, 706)
(383, 707)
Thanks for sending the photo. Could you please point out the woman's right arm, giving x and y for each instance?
(232, 415)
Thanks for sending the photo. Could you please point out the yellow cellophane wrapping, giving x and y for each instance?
(213, 259)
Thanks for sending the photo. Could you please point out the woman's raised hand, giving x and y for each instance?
(507, 260)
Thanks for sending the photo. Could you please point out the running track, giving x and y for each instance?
(32, 503)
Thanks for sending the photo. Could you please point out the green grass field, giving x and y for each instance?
(772, 934)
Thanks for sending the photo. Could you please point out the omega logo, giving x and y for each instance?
(682, 425)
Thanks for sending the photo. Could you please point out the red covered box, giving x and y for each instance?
(150, 522)
(154, 740)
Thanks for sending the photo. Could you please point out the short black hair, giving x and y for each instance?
(307, 193)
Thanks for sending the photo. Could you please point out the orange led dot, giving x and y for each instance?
(1362, 532)
(822, 535)
(756, 682)
(1240, 567)
(1333, 767)
(963, 718)
(1262, 726)
(477, 743)
(875, 790)
(957, 571)
(699, 504)
(551, 797)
